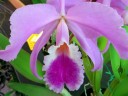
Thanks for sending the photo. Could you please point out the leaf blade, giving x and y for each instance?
(38, 1)
(115, 61)
(24, 57)
(32, 90)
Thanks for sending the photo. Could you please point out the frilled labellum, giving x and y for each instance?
(63, 66)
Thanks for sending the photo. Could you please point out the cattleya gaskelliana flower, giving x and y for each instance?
(86, 20)
(120, 6)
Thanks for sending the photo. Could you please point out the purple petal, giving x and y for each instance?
(125, 15)
(125, 2)
(104, 19)
(24, 22)
(89, 32)
(62, 34)
(87, 45)
(116, 4)
(68, 3)
(106, 2)
(49, 29)
(63, 70)
(119, 6)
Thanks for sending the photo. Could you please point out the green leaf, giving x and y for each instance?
(124, 66)
(102, 43)
(106, 57)
(94, 77)
(65, 93)
(115, 61)
(122, 88)
(32, 90)
(22, 65)
(109, 91)
(22, 62)
(88, 66)
(126, 28)
(38, 1)
(75, 41)
(97, 75)
(9, 93)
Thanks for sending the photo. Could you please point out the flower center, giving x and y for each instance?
(62, 18)
(63, 49)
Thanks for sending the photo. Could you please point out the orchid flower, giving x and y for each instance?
(86, 20)
(119, 5)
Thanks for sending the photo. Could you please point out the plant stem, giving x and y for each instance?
(111, 88)
(16, 3)
(70, 39)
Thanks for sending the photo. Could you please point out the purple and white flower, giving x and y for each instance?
(86, 20)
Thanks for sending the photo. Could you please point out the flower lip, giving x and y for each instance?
(63, 69)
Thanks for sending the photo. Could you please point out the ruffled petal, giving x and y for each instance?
(104, 19)
(24, 22)
(49, 29)
(62, 34)
(63, 69)
(87, 45)
(75, 55)
(68, 3)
